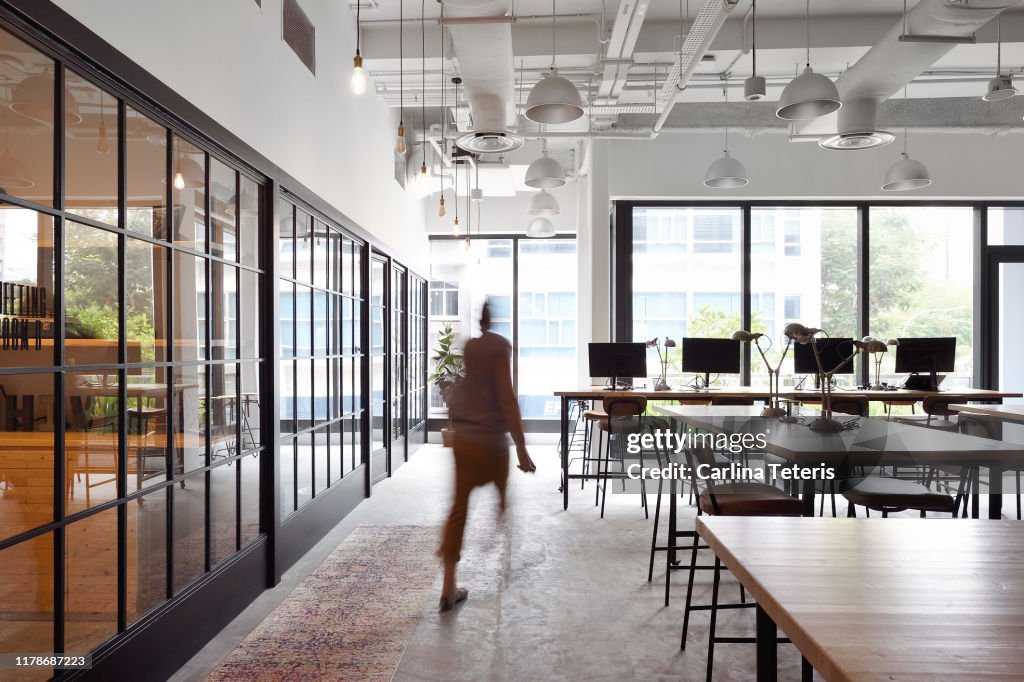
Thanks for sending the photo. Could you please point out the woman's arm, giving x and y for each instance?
(509, 403)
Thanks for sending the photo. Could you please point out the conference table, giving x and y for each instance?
(881, 599)
(866, 442)
(1007, 413)
(755, 393)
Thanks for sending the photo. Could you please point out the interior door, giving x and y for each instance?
(380, 441)
(399, 355)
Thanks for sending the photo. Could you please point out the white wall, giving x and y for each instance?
(227, 58)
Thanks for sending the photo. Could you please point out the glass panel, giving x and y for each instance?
(146, 294)
(303, 321)
(286, 238)
(320, 322)
(304, 394)
(28, 123)
(188, 195)
(347, 266)
(338, 469)
(91, 314)
(352, 446)
(147, 428)
(90, 149)
(321, 387)
(224, 320)
(321, 254)
(146, 171)
(321, 438)
(1006, 226)
(249, 313)
(250, 412)
(147, 553)
(90, 584)
(250, 492)
(378, 385)
(303, 247)
(249, 222)
(548, 280)
(223, 514)
(1011, 330)
(223, 409)
(26, 453)
(809, 278)
(286, 317)
(287, 397)
(223, 212)
(189, 307)
(286, 478)
(189, 531)
(922, 281)
(26, 287)
(93, 414)
(190, 403)
(304, 468)
(686, 277)
(26, 591)
(357, 267)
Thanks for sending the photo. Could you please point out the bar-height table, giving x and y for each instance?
(868, 443)
(881, 599)
(745, 392)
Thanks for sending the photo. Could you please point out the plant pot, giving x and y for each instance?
(448, 437)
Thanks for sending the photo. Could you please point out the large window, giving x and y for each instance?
(130, 366)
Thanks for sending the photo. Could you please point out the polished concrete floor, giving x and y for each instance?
(553, 594)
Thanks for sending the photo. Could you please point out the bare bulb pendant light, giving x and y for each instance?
(754, 88)
(1000, 87)
(102, 145)
(554, 99)
(810, 94)
(545, 172)
(423, 90)
(400, 147)
(726, 172)
(907, 173)
(358, 81)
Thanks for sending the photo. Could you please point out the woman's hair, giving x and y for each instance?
(485, 317)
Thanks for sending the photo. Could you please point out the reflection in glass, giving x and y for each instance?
(249, 313)
(90, 589)
(321, 437)
(27, 114)
(286, 396)
(304, 468)
(91, 315)
(321, 387)
(304, 393)
(249, 414)
(223, 212)
(352, 443)
(224, 320)
(250, 493)
(321, 254)
(335, 459)
(146, 301)
(191, 406)
(26, 453)
(286, 239)
(303, 247)
(146, 166)
(189, 307)
(147, 427)
(321, 322)
(189, 531)
(188, 219)
(1006, 226)
(286, 317)
(26, 273)
(223, 514)
(91, 152)
(223, 411)
(91, 441)
(286, 478)
(26, 591)
(146, 583)
(303, 321)
(248, 222)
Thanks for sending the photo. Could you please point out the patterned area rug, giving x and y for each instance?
(351, 618)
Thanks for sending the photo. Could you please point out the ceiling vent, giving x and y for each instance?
(857, 129)
(300, 34)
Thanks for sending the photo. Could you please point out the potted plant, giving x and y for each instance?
(447, 373)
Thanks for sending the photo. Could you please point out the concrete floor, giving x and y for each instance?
(553, 594)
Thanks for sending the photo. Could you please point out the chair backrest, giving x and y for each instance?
(624, 405)
(850, 404)
(978, 425)
(937, 406)
(695, 457)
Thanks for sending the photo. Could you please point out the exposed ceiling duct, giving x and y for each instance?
(483, 51)
(928, 32)
(618, 57)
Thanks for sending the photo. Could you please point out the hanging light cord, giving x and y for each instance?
(359, 7)
(807, 28)
(552, 35)
(753, 35)
(401, 65)
(905, 124)
(725, 96)
(444, 139)
(999, 46)
(423, 74)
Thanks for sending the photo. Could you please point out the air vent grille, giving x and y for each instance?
(300, 34)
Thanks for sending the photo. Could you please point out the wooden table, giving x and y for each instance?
(864, 445)
(757, 393)
(1008, 413)
(882, 599)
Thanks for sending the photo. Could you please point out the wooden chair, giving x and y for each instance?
(887, 405)
(623, 415)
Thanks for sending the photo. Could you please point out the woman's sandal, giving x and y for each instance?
(448, 603)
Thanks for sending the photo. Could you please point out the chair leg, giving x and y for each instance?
(714, 614)
(851, 511)
(654, 535)
(689, 591)
(597, 476)
(643, 486)
(1018, 494)
(607, 466)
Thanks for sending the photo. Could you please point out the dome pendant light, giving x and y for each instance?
(358, 81)
(907, 173)
(810, 94)
(476, 195)
(1000, 87)
(754, 88)
(726, 172)
(545, 172)
(553, 99)
(543, 205)
(540, 228)
(13, 173)
(400, 146)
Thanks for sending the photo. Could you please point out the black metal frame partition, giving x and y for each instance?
(190, 615)
(985, 374)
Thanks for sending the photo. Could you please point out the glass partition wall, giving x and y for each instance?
(130, 363)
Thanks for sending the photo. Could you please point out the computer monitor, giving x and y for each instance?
(832, 351)
(710, 356)
(926, 356)
(617, 360)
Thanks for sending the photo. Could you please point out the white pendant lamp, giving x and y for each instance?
(1001, 86)
(726, 172)
(540, 228)
(554, 99)
(545, 172)
(906, 174)
(358, 81)
(810, 94)
(543, 205)
(755, 87)
(33, 97)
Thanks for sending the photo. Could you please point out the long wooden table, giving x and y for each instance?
(756, 393)
(882, 599)
(1008, 413)
(871, 442)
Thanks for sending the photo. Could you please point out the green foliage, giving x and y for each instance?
(448, 368)
(91, 322)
